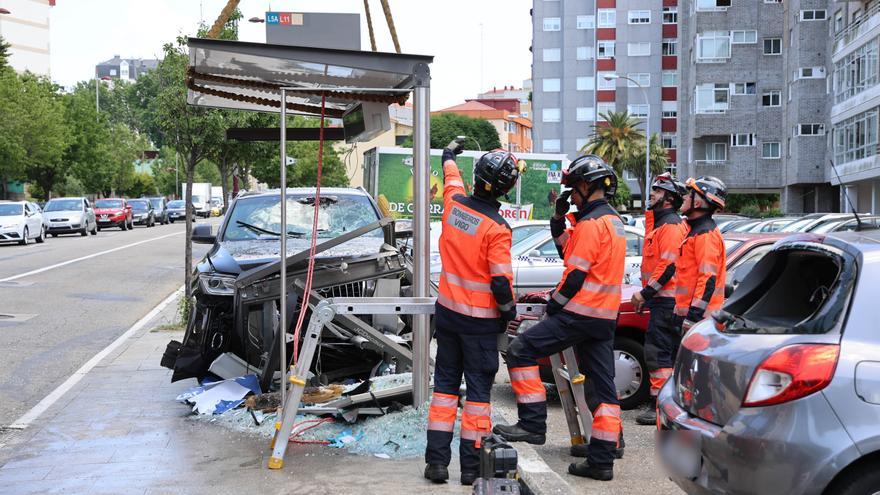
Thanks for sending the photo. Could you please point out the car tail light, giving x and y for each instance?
(792, 372)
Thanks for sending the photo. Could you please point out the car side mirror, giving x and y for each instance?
(534, 253)
(202, 235)
(728, 290)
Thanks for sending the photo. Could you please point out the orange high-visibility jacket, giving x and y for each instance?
(664, 233)
(594, 253)
(476, 283)
(700, 271)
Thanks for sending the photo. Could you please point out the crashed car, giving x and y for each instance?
(235, 292)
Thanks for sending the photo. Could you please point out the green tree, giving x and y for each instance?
(447, 126)
(634, 161)
(12, 124)
(4, 53)
(142, 184)
(615, 139)
(89, 152)
(44, 135)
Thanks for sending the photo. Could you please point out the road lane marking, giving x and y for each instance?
(29, 417)
(102, 253)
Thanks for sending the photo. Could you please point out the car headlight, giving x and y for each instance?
(217, 285)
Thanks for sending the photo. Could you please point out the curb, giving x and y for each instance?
(533, 471)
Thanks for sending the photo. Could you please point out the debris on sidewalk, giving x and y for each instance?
(221, 396)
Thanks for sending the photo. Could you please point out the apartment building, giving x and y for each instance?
(24, 24)
(126, 69)
(577, 46)
(514, 131)
(855, 71)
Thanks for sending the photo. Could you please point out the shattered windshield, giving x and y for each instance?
(260, 217)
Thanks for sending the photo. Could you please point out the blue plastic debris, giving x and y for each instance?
(219, 397)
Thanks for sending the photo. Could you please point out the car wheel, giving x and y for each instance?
(97, 229)
(42, 237)
(123, 226)
(862, 480)
(85, 230)
(24, 238)
(630, 373)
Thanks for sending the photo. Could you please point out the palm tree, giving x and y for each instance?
(635, 161)
(616, 139)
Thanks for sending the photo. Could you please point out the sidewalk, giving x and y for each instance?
(119, 430)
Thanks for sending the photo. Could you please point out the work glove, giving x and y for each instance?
(562, 204)
(509, 315)
(553, 307)
(453, 149)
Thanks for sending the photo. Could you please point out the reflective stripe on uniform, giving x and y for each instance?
(441, 414)
(606, 423)
(658, 378)
(655, 285)
(558, 297)
(707, 267)
(701, 304)
(669, 255)
(681, 311)
(465, 283)
(527, 385)
(507, 307)
(476, 420)
(467, 309)
(682, 291)
(666, 293)
(561, 240)
(579, 262)
(501, 269)
(455, 183)
(604, 313)
(601, 288)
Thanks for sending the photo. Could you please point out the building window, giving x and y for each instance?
(586, 83)
(670, 15)
(550, 146)
(640, 17)
(607, 18)
(606, 49)
(713, 46)
(772, 46)
(744, 88)
(586, 21)
(640, 49)
(670, 47)
(642, 78)
(810, 129)
(551, 85)
(712, 98)
(856, 138)
(552, 24)
(857, 71)
(742, 140)
(744, 37)
(605, 83)
(670, 109)
(604, 108)
(585, 114)
(770, 151)
(810, 73)
(772, 98)
(716, 152)
(670, 79)
(838, 22)
(639, 111)
(551, 55)
(580, 143)
(585, 52)
(669, 141)
(712, 5)
(551, 115)
(813, 15)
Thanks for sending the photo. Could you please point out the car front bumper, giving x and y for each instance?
(141, 221)
(110, 221)
(177, 214)
(66, 227)
(796, 447)
(9, 234)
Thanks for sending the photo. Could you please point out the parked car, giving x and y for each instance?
(160, 209)
(70, 216)
(723, 219)
(812, 221)
(21, 222)
(114, 212)
(177, 210)
(216, 207)
(142, 212)
(780, 388)
(846, 225)
(770, 225)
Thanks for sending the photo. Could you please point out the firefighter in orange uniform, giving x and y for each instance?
(664, 233)
(474, 305)
(700, 269)
(582, 313)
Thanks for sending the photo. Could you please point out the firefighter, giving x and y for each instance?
(582, 312)
(700, 269)
(665, 231)
(474, 304)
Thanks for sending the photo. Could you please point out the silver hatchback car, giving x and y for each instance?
(780, 391)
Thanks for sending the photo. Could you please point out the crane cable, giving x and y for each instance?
(370, 24)
(390, 20)
(314, 241)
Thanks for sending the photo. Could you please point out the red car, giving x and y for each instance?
(113, 212)
(631, 376)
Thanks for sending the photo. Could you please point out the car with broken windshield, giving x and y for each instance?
(236, 287)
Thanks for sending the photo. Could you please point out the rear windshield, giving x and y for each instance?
(10, 210)
(108, 203)
(176, 204)
(64, 205)
(793, 291)
(157, 203)
(138, 205)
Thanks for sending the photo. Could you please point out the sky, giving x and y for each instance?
(87, 32)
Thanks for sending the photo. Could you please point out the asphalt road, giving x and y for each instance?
(91, 290)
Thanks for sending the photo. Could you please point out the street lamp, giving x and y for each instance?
(612, 76)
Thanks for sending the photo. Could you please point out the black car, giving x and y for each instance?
(142, 212)
(236, 286)
(160, 209)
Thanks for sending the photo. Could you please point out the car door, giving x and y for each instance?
(540, 268)
(89, 213)
(31, 220)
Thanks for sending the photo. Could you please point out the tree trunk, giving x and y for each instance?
(4, 187)
(187, 266)
(224, 182)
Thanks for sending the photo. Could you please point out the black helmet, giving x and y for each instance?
(592, 170)
(712, 189)
(666, 182)
(496, 173)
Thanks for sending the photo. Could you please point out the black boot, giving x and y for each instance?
(437, 473)
(649, 416)
(515, 433)
(468, 477)
(581, 450)
(585, 470)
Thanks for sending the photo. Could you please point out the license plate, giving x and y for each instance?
(680, 452)
(104, 217)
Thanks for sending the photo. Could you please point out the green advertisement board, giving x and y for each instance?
(389, 178)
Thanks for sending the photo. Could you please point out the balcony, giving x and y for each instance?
(859, 27)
